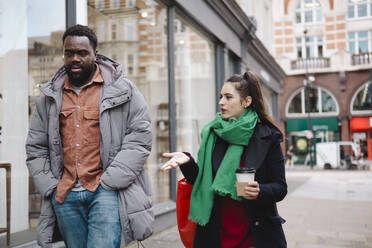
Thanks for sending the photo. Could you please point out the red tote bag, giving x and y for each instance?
(186, 227)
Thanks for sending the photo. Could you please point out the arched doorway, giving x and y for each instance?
(321, 119)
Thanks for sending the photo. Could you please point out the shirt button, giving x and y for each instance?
(78, 164)
(77, 145)
(77, 125)
(78, 106)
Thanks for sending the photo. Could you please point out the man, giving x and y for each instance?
(88, 141)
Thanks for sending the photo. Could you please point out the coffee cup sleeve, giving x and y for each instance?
(240, 188)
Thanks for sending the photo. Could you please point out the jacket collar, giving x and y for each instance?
(258, 146)
(114, 83)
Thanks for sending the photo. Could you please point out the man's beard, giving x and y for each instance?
(79, 78)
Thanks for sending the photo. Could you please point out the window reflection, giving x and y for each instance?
(308, 11)
(295, 105)
(360, 8)
(327, 104)
(133, 35)
(44, 59)
(313, 101)
(195, 85)
(363, 99)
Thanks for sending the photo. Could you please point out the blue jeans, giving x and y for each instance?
(89, 219)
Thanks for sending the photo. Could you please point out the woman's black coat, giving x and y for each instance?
(265, 155)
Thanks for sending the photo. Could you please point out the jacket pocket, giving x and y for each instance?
(66, 120)
(268, 232)
(91, 127)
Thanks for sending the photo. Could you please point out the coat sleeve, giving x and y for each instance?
(37, 150)
(129, 162)
(190, 169)
(275, 188)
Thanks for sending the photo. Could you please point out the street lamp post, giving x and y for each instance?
(307, 82)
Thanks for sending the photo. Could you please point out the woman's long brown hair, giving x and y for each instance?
(248, 84)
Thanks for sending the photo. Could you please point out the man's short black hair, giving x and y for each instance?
(80, 30)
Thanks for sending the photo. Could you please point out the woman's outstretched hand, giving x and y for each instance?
(176, 159)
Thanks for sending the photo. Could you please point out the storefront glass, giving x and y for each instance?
(44, 59)
(320, 102)
(323, 130)
(363, 98)
(30, 52)
(195, 85)
(134, 34)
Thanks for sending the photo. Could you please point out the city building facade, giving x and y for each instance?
(325, 48)
(178, 53)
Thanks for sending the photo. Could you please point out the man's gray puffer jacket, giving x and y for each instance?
(125, 145)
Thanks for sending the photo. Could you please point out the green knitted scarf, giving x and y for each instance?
(237, 133)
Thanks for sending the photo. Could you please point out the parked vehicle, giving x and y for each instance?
(341, 154)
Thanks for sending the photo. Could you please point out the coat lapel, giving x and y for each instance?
(258, 147)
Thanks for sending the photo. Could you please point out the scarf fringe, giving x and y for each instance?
(226, 193)
(198, 221)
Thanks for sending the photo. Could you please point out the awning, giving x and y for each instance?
(317, 124)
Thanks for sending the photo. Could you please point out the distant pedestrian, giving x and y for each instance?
(242, 135)
(289, 156)
(88, 141)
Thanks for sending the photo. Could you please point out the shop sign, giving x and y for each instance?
(320, 127)
(301, 144)
(360, 123)
(300, 124)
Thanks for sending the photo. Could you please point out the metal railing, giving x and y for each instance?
(361, 58)
(310, 63)
(7, 167)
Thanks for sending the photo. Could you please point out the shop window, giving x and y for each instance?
(296, 104)
(145, 63)
(328, 104)
(35, 45)
(321, 102)
(362, 99)
(194, 69)
(359, 8)
(308, 11)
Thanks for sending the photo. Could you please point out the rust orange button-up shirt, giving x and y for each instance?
(80, 133)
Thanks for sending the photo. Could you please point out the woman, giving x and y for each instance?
(242, 135)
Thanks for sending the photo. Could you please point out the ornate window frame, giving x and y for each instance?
(360, 112)
(303, 111)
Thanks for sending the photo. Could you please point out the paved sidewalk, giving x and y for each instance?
(330, 209)
(323, 209)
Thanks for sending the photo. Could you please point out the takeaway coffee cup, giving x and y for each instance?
(243, 176)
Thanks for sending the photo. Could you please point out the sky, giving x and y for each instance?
(45, 16)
